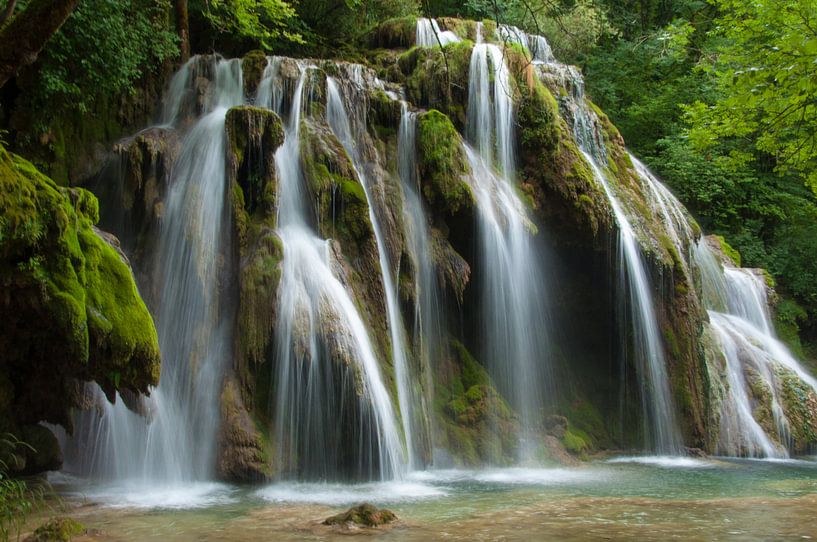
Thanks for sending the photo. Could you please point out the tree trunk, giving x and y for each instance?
(28, 32)
(8, 12)
(183, 29)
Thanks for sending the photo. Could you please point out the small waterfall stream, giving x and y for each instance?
(176, 440)
(430, 35)
(514, 319)
(323, 347)
(647, 351)
(429, 320)
(338, 119)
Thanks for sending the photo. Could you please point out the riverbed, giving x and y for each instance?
(644, 498)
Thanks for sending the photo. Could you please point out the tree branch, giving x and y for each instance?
(25, 36)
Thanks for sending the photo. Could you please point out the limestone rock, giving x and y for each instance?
(363, 515)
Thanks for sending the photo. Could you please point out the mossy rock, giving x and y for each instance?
(342, 208)
(363, 515)
(56, 530)
(244, 455)
(438, 78)
(252, 70)
(474, 422)
(397, 33)
(253, 135)
(76, 311)
(465, 29)
(727, 250)
(442, 164)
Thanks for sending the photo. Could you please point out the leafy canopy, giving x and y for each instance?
(266, 22)
(766, 69)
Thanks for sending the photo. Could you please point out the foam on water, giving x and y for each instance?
(343, 494)
(665, 461)
(143, 496)
(541, 476)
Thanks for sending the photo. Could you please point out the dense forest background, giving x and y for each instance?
(719, 97)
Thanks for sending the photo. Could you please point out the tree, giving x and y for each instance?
(22, 39)
(765, 69)
(183, 29)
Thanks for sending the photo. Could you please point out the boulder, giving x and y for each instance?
(363, 515)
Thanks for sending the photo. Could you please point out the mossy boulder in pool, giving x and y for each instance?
(363, 515)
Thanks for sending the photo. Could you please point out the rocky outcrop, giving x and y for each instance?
(362, 515)
(71, 308)
(243, 454)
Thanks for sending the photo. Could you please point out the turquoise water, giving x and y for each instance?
(623, 498)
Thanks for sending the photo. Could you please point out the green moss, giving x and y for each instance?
(574, 443)
(252, 70)
(57, 530)
(465, 29)
(473, 422)
(788, 316)
(394, 33)
(442, 163)
(76, 312)
(727, 249)
(438, 78)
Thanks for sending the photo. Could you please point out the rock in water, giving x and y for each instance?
(363, 515)
(56, 530)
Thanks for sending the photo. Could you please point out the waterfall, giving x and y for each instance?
(647, 346)
(323, 348)
(514, 323)
(538, 46)
(176, 440)
(648, 349)
(338, 119)
(428, 303)
(430, 35)
(739, 318)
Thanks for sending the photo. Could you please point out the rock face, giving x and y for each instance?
(71, 310)
(362, 515)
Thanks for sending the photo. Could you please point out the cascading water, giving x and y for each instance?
(755, 358)
(647, 345)
(338, 119)
(429, 34)
(176, 441)
(537, 45)
(514, 319)
(324, 353)
(740, 322)
(428, 316)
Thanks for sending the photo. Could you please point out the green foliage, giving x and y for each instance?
(339, 22)
(57, 530)
(101, 50)
(265, 23)
(764, 68)
(16, 500)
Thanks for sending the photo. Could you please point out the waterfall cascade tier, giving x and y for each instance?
(647, 350)
(412, 301)
(430, 35)
(514, 322)
(176, 441)
(324, 350)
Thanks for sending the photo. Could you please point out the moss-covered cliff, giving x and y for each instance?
(71, 309)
